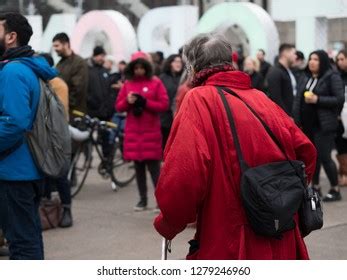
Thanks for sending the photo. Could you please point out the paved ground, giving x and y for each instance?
(107, 228)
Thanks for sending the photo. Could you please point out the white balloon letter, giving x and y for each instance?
(167, 28)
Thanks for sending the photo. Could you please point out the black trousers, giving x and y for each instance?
(63, 187)
(324, 143)
(165, 131)
(140, 168)
(341, 143)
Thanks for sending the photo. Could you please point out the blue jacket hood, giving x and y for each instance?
(40, 67)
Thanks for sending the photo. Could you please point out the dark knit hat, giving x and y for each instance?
(98, 50)
(300, 55)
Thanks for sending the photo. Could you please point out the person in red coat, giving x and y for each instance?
(143, 97)
(200, 178)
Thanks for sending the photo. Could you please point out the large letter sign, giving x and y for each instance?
(255, 22)
(108, 28)
(167, 29)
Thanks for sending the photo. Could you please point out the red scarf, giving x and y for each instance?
(201, 76)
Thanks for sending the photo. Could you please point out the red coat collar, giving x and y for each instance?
(234, 79)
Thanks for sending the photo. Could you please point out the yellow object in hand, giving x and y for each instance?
(308, 93)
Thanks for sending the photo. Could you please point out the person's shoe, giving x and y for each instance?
(332, 195)
(141, 206)
(102, 169)
(156, 210)
(66, 220)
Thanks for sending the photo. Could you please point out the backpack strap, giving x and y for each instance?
(10, 150)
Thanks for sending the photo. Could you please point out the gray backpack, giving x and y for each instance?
(50, 140)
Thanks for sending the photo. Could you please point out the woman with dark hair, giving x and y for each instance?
(143, 97)
(172, 71)
(316, 108)
(341, 138)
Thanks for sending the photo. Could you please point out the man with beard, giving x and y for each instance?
(74, 71)
(20, 179)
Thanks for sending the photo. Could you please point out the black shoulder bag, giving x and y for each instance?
(273, 193)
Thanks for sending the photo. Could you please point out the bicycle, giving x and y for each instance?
(87, 133)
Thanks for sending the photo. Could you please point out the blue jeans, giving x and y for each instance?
(120, 121)
(20, 220)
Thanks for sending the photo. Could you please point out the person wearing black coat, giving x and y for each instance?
(264, 65)
(299, 66)
(172, 71)
(281, 82)
(251, 68)
(316, 109)
(100, 96)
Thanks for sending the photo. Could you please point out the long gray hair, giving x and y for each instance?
(207, 50)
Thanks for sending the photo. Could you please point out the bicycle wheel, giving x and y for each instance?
(123, 172)
(79, 168)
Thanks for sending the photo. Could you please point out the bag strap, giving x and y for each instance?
(46, 214)
(11, 150)
(268, 130)
(243, 163)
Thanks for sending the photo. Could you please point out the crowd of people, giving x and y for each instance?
(172, 105)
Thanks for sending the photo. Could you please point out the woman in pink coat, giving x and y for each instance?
(143, 97)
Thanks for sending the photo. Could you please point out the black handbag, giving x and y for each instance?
(273, 193)
(311, 212)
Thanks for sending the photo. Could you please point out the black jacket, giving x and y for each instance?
(264, 68)
(280, 89)
(171, 84)
(298, 73)
(330, 91)
(257, 81)
(100, 96)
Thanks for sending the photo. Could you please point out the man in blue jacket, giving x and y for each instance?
(20, 179)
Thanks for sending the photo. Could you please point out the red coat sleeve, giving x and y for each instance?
(183, 181)
(161, 103)
(122, 104)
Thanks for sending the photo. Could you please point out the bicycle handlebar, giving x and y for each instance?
(81, 114)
